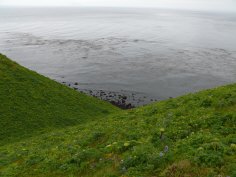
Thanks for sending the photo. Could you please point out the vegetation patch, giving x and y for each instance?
(189, 136)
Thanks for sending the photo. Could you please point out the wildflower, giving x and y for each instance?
(200, 149)
(166, 149)
(233, 147)
(126, 144)
(108, 145)
(162, 129)
(161, 154)
(162, 132)
(123, 169)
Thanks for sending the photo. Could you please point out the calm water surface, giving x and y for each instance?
(157, 53)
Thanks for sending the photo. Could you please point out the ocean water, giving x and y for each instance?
(153, 52)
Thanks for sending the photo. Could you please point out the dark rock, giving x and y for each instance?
(124, 97)
(128, 106)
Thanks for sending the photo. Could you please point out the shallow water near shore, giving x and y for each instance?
(142, 55)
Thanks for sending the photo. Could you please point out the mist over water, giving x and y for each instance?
(158, 53)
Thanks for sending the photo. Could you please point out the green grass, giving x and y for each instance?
(198, 129)
(32, 104)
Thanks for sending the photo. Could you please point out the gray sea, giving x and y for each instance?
(154, 53)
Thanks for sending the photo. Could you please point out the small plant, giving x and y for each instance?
(206, 103)
(233, 147)
(209, 158)
(162, 130)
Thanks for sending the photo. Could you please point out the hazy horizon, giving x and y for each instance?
(206, 5)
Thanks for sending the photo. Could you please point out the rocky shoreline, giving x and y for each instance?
(123, 99)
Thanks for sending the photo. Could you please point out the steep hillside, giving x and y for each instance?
(192, 136)
(189, 136)
(32, 104)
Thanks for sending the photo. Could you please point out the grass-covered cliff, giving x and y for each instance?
(31, 103)
(193, 135)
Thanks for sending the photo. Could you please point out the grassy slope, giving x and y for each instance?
(31, 103)
(199, 130)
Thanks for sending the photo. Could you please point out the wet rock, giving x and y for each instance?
(124, 97)
(129, 106)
